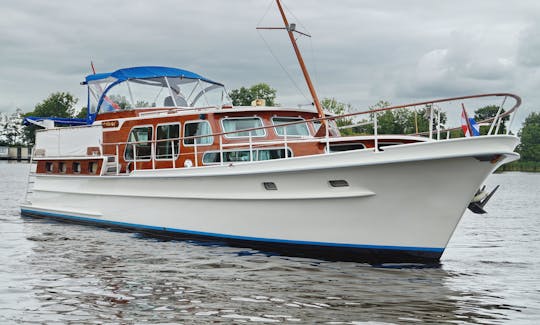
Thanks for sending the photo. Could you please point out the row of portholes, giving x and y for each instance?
(271, 186)
(61, 167)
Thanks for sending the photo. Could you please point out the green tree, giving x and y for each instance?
(422, 120)
(59, 104)
(530, 138)
(487, 112)
(244, 96)
(392, 121)
(82, 113)
(332, 105)
(11, 129)
(401, 121)
(142, 103)
(339, 108)
(366, 125)
(121, 101)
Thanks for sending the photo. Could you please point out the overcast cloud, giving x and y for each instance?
(361, 51)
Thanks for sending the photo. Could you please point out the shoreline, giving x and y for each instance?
(521, 166)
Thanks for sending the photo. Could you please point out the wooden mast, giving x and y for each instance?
(302, 65)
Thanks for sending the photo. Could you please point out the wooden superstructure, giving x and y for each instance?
(183, 148)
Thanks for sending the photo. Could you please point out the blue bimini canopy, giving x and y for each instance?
(146, 72)
(102, 83)
(66, 121)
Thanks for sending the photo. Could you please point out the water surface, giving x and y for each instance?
(57, 273)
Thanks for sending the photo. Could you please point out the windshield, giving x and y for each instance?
(154, 92)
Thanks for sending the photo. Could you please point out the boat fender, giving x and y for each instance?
(188, 163)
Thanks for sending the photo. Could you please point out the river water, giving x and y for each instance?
(57, 273)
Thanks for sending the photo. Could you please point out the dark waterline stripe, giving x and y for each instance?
(246, 238)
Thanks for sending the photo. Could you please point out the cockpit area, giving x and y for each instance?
(149, 87)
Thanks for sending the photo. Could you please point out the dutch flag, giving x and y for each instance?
(468, 124)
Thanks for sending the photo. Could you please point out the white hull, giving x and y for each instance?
(408, 198)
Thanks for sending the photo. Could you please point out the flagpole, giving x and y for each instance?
(469, 126)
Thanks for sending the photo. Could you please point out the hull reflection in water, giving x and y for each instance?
(173, 281)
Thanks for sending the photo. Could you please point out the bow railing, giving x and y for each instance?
(248, 148)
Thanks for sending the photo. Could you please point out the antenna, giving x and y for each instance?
(93, 68)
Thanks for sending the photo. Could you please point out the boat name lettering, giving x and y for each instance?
(110, 124)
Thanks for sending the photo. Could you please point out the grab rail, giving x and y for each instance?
(374, 113)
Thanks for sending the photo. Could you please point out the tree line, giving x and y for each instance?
(399, 121)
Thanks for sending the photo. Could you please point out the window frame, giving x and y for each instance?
(255, 154)
(92, 167)
(332, 123)
(49, 167)
(290, 153)
(211, 135)
(383, 144)
(338, 144)
(176, 153)
(151, 141)
(76, 167)
(62, 167)
(276, 126)
(229, 136)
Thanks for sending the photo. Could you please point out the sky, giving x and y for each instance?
(360, 52)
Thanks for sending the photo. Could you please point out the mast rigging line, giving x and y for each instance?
(291, 28)
(320, 110)
(315, 71)
(283, 67)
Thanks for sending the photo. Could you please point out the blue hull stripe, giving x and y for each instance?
(209, 234)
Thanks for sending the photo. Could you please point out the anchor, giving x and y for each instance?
(480, 199)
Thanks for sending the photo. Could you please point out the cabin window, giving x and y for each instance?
(197, 128)
(49, 167)
(337, 147)
(92, 167)
(139, 146)
(166, 149)
(213, 157)
(150, 92)
(117, 99)
(76, 167)
(62, 167)
(381, 145)
(94, 92)
(300, 129)
(235, 124)
(332, 123)
(269, 154)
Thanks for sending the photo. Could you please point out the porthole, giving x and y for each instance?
(49, 167)
(338, 183)
(76, 167)
(62, 167)
(270, 186)
(92, 167)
